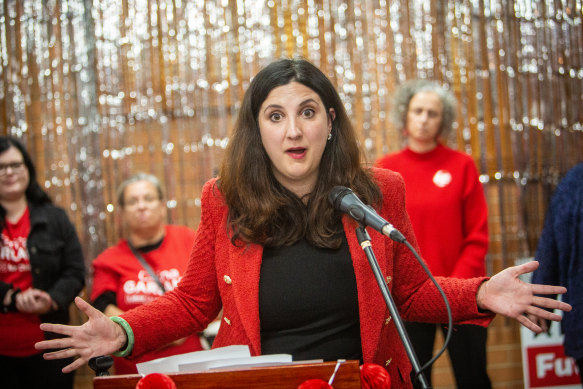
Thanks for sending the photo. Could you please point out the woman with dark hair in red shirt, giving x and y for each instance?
(285, 266)
(41, 272)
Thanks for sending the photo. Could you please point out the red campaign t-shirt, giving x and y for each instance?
(18, 331)
(119, 271)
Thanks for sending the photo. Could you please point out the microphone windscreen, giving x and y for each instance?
(337, 194)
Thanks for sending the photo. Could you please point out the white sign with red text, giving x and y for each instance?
(543, 359)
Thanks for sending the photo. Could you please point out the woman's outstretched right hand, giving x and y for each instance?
(98, 336)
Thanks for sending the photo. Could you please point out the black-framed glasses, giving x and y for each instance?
(13, 166)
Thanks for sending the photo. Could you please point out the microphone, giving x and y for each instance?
(344, 200)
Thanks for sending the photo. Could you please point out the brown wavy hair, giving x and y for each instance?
(261, 210)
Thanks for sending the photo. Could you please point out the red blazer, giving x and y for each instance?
(222, 275)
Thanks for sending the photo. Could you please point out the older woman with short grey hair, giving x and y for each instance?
(447, 207)
(149, 261)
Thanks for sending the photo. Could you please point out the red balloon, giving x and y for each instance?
(156, 381)
(315, 383)
(373, 376)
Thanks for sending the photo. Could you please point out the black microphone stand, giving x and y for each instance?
(364, 240)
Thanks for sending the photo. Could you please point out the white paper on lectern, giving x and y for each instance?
(262, 360)
(170, 364)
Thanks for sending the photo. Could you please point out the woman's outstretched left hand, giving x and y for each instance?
(507, 295)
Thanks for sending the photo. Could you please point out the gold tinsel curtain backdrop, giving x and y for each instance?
(98, 90)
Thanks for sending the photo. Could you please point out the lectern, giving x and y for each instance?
(267, 377)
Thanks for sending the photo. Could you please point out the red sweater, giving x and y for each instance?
(447, 207)
(221, 275)
(119, 271)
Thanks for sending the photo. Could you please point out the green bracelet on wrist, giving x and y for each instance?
(129, 333)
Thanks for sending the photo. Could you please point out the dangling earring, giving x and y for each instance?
(330, 135)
